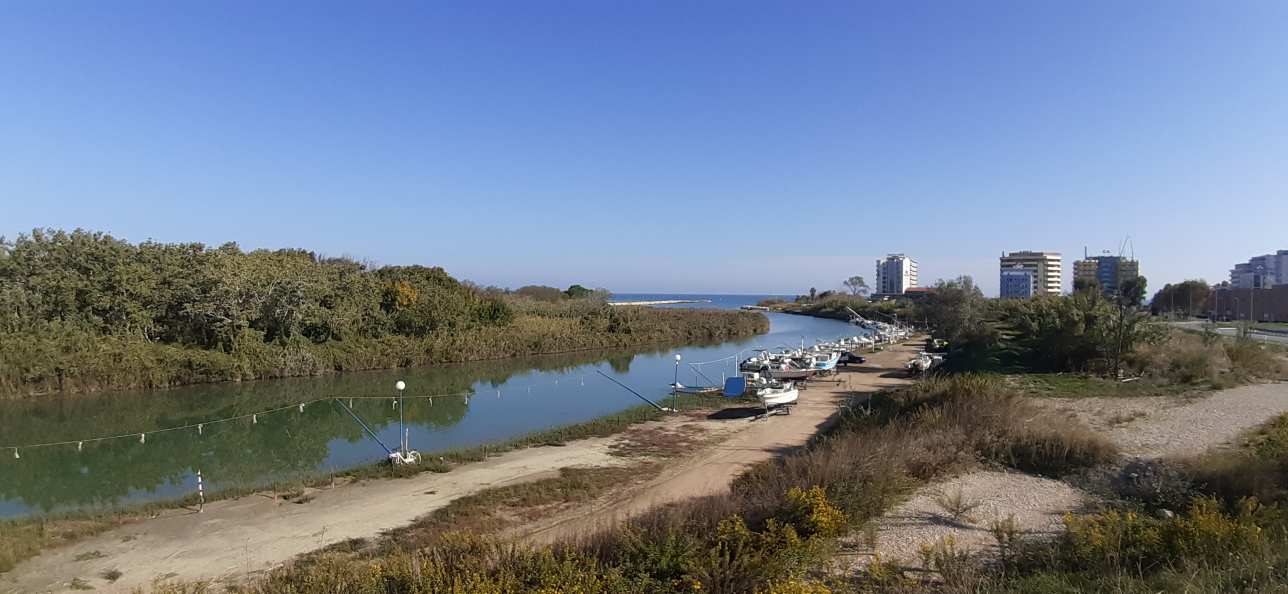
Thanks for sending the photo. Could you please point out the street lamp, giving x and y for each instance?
(402, 423)
(1252, 302)
(675, 385)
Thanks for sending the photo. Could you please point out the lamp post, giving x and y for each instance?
(1252, 301)
(402, 424)
(675, 385)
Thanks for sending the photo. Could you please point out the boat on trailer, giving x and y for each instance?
(778, 399)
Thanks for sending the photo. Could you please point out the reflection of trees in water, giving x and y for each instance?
(281, 446)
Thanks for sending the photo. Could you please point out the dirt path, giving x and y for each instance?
(239, 538)
(1035, 504)
(1157, 427)
(712, 471)
(1150, 427)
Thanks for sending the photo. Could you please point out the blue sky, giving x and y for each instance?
(706, 146)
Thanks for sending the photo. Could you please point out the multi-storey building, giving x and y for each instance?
(1107, 271)
(1045, 271)
(895, 274)
(1017, 282)
(1261, 272)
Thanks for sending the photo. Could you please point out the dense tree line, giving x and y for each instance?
(1083, 331)
(57, 282)
(102, 312)
(1186, 298)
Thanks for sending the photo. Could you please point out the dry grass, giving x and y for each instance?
(494, 510)
(21, 539)
(957, 506)
(1191, 359)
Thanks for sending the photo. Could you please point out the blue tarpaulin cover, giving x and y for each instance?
(735, 387)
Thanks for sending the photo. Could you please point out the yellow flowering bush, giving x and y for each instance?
(1129, 539)
(812, 514)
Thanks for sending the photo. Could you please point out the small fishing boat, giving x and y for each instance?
(778, 399)
(824, 361)
(683, 389)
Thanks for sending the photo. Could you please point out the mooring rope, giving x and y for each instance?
(200, 426)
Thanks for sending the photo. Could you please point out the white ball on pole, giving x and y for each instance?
(400, 385)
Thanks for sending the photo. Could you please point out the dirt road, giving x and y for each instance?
(239, 538)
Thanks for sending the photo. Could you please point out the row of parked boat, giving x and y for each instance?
(775, 377)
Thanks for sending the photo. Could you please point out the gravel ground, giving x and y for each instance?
(1037, 504)
(1157, 427)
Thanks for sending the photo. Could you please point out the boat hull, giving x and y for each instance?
(779, 397)
(791, 374)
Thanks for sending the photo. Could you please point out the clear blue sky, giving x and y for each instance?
(657, 146)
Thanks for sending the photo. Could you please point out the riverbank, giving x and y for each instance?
(660, 302)
(114, 363)
(837, 307)
(83, 311)
(596, 481)
(23, 538)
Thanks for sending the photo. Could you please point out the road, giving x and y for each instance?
(1262, 336)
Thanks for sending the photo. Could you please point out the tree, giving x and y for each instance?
(856, 285)
(1189, 298)
(957, 311)
(578, 292)
(1086, 286)
(541, 293)
(813, 293)
(1130, 296)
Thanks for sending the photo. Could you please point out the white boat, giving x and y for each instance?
(683, 389)
(778, 399)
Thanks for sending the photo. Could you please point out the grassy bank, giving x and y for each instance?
(84, 311)
(126, 362)
(836, 307)
(775, 532)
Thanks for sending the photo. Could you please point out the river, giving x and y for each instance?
(489, 401)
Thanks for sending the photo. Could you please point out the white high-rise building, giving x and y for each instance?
(1261, 272)
(895, 274)
(1046, 269)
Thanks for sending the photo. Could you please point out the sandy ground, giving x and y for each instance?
(240, 538)
(1150, 427)
(1035, 504)
(1156, 427)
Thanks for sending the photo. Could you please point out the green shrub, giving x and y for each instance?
(1253, 359)
(1116, 539)
(1180, 357)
